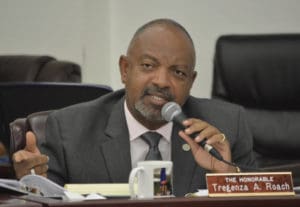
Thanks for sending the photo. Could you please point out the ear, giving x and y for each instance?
(123, 66)
(194, 76)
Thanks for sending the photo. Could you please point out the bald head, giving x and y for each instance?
(164, 24)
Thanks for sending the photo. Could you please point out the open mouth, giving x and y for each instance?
(157, 100)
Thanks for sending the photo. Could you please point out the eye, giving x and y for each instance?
(179, 73)
(147, 66)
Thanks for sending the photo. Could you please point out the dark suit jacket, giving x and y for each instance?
(89, 142)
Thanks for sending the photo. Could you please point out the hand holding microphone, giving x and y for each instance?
(203, 134)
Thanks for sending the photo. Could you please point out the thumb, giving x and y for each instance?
(31, 145)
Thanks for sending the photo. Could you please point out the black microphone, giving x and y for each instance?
(171, 111)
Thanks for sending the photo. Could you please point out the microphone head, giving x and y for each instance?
(170, 110)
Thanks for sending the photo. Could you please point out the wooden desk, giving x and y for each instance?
(7, 200)
(282, 201)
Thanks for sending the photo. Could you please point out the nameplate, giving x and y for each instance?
(249, 184)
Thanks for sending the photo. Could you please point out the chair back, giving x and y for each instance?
(262, 73)
(37, 68)
(21, 99)
(35, 122)
(258, 71)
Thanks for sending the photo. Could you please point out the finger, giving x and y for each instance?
(213, 139)
(20, 170)
(41, 169)
(208, 133)
(201, 128)
(23, 156)
(19, 156)
(36, 161)
(44, 175)
(216, 139)
(31, 145)
(23, 168)
(194, 125)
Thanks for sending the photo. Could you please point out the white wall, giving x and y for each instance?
(94, 33)
(75, 30)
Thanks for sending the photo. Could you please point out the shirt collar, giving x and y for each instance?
(136, 129)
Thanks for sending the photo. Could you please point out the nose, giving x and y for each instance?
(161, 78)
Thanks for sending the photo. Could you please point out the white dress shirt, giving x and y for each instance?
(138, 147)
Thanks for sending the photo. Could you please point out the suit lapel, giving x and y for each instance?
(116, 151)
(184, 164)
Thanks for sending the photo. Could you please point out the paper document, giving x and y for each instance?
(34, 185)
(40, 186)
(106, 189)
(199, 193)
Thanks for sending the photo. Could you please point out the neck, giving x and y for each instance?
(152, 125)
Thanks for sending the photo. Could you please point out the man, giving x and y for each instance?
(100, 141)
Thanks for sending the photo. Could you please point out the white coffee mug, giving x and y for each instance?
(154, 179)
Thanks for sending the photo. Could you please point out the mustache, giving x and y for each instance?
(166, 94)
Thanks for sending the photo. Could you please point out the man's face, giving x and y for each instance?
(158, 68)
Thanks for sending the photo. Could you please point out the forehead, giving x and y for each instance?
(163, 40)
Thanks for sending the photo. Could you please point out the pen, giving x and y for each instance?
(163, 182)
